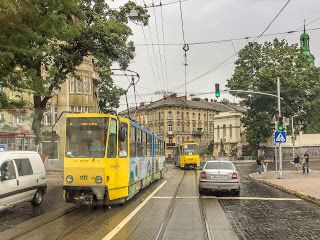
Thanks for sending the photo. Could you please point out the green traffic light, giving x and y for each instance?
(280, 128)
(217, 94)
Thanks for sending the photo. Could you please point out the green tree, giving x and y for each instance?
(257, 69)
(42, 42)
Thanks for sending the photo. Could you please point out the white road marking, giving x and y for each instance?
(114, 231)
(233, 198)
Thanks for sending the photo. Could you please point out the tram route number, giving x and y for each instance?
(84, 177)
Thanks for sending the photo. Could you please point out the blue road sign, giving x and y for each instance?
(280, 137)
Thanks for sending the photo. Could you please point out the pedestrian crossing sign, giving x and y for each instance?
(280, 137)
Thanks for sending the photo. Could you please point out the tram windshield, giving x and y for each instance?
(86, 137)
(190, 149)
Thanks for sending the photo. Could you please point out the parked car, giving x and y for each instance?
(219, 176)
(22, 178)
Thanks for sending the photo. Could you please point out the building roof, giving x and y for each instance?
(197, 103)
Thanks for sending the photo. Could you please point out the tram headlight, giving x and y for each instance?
(69, 179)
(98, 179)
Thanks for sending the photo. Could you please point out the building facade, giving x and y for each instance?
(177, 119)
(76, 94)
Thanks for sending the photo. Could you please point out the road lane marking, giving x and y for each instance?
(114, 231)
(254, 198)
(232, 198)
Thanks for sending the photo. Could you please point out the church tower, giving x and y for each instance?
(305, 45)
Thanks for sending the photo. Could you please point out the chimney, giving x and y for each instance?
(141, 104)
(206, 99)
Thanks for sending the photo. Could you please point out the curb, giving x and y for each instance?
(293, 192)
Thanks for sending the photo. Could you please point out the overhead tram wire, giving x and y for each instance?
(160, 56)
(185, 49)
(164, 48)
(154, 52)
(227, 59)
(269, 25)
(235, 39)
(149, 57)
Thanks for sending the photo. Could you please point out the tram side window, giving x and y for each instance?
(149, 145)
(123, 145)
(133, 142)
(144, 144)
(112, 144)
(157, 147)
(139, 143)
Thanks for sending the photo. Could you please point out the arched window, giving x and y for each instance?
(230, 129)
(224, 131)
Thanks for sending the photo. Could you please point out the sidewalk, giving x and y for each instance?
(305, 186)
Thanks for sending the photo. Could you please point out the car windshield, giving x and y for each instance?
(219, 165)
(190, 149)
(86, 137)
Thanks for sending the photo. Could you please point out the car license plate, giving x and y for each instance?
(218, 176)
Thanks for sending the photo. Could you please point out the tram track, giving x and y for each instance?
(205, 225)
(206, 233)
(169, 212)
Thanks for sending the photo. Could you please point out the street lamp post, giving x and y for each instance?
(293, 135)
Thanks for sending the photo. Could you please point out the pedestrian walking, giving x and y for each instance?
(296, 161)
(306, 166)
(259, 166)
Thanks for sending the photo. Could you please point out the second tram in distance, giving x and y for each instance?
(186, 155)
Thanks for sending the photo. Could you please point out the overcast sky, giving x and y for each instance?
(206, 20)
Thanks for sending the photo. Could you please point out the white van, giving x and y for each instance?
(22, 178)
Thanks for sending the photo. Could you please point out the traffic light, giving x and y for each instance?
(217, 86)
(280, 124)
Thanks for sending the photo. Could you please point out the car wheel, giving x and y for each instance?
(37, 198)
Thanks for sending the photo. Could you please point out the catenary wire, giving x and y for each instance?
(159, 51)
(164, 49)
(269, 25)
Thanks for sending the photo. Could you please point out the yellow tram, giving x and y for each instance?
(109, 159)
(187, 155)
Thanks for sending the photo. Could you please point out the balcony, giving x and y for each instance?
(170, 133)
(198, 132)
(170, 144)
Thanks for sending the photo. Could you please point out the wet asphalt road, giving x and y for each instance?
(255, 219)
(161, 218)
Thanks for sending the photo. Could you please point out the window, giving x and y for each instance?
(90, 85)
(218, 132)
(170, 128)
(55, 114)
(149, 145)
(193, 115)
(1, 117)
(123, 143)
(23, 166)
(139, 143)
(73, 108)
(17, 119)
(178, 115)
(71, 84)
(170, 140)
(85, 109)
(133, 142)
(112, 144)
(7, 171)
(170, 115)
(79, 109)
(224, 131)
(47, 118)
(86, 88)
(230, 131)
(79, 85)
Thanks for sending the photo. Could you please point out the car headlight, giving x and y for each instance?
(98, 179)
(69, 179)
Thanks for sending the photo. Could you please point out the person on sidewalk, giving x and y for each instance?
(259, 165)
(296, 161)
(305, 166)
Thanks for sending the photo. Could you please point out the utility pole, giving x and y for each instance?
(279, 109)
